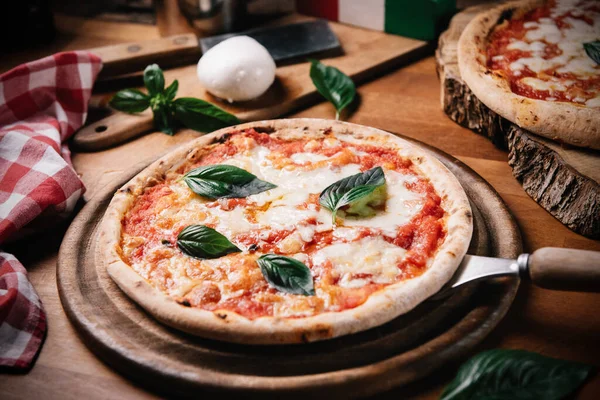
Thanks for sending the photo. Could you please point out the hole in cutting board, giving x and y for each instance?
(101, 128)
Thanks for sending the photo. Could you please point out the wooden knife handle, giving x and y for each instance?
(131, 57)
(113, 130)
(565, 269)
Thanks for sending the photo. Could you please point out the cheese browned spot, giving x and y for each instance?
(348, 262)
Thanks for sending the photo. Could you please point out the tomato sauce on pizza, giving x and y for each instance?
(348, 260)
(541, 52)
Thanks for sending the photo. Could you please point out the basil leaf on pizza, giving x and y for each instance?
(286, 274)
(200, 241)
(592, 49)
(333, 84)
(360, 192)
(515, 374)
(224, 181)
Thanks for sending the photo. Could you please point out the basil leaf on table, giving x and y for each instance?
(286, 274)
(171, 91)
(352, 189)
(515, 374)
(154, 80)
(224, 181)
(592, 49)
(130, 101)
(333, 84)
(201, 115)
(202, 242)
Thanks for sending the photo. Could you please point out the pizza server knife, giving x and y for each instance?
(285, 43)
(548, 267)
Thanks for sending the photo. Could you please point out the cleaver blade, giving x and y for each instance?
(287, 43)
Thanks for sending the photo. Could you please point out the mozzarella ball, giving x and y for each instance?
(237, 69)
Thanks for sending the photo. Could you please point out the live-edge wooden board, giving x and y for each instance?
(172, 363)
(564, 180)
(366, 54)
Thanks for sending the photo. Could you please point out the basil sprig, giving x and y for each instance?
(200, 115)
(352, 189)
(592, 49)
(224, 181)
(333, 84)
(515, 374)
(200, 241)
(169, 112)
(286, 274)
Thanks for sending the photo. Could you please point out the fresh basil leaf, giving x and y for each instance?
(333, 84)
(171, 91)
(515, 374)
(351, 189)
(224, 181)
(286, 274)
(593, 50)
(202, 242)
(154, 79)
(202, 116)
(163, 117)
(130, 101)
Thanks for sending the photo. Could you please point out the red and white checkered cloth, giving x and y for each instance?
(41, 104)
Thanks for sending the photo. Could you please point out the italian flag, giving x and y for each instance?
(419, 19)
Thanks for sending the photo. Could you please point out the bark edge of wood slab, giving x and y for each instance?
(570, 196)
(377, 360)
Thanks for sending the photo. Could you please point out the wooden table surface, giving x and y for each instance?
(558, 324)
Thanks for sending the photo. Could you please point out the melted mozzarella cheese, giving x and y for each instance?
(293, 189)
(400, 206)
(371, 256)
(539, 84)
(569, 38)
(593, 102)
(355, 260)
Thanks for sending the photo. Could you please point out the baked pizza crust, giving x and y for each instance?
(565, 122)
(381, 307)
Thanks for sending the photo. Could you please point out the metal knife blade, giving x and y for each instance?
(474, 268)
(287, 42)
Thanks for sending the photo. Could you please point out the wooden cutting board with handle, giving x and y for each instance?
(367, 54)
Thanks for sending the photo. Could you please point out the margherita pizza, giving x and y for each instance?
(286, 231)
(526, 61)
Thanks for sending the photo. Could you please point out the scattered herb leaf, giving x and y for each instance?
(130, 101)
(201, 115)
(168, 112)
(154, 80)
(515, 374)
(333, 84)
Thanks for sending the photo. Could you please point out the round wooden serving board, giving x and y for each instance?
(173, 363)
(564, 180)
